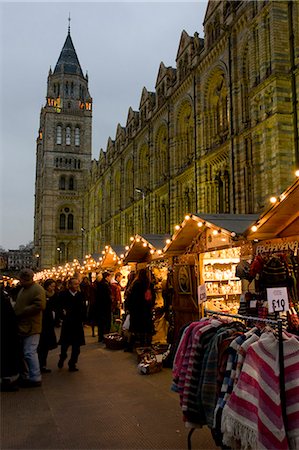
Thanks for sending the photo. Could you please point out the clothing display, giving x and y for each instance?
(228, 377)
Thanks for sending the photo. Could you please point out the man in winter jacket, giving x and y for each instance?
(30, 303)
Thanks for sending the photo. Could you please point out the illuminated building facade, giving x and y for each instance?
(218, 135)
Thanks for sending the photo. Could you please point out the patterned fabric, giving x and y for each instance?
(253, 414)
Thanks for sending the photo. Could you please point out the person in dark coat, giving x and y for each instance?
(87, 290)
(48, 339)
(103, 305)
(140, 303)
(72, 332)
(10, 346)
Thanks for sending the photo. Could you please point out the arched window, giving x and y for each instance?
(71, 183)
(70, 222)
(68, 136)
(62, 221)
(77, 136)
(58, 134)
(62, 182)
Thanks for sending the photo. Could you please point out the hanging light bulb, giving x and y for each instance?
(273, 199)
(177, 227)
(254, 228)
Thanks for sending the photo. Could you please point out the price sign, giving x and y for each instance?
(202, 294)
(278, 300)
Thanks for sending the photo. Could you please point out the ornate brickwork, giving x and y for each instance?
(220, 132)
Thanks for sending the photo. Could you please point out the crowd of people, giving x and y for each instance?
(37, 318)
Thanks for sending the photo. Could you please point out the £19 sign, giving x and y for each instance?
(278, 300)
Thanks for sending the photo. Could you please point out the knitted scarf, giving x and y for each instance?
(253, 414)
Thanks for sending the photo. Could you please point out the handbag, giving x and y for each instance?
(126, 324)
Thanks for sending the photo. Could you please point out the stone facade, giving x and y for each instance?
(218, 135)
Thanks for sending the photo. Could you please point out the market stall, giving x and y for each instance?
(204, 251)
(275, 267)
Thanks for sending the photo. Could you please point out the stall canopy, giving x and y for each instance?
(224, 225)
(281, 220)
(111, 256)
(145, 247)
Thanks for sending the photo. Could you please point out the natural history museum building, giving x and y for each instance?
(218, 135)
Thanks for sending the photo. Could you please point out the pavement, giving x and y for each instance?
(106, 405)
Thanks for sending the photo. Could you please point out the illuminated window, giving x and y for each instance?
(58, 134)
(68, 136)
(77, 136)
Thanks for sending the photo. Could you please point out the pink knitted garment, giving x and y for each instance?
(253, 414)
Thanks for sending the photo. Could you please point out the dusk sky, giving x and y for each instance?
(120, 45)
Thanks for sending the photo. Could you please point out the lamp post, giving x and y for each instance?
(82, 243)
(59, 254)
(37, 260)
(141, 191)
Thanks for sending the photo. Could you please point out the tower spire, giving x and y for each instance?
(69, 27)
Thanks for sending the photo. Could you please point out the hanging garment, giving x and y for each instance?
(253, 414)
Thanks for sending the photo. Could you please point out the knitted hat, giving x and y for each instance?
(256, 266)
(242, 270)
(274, 272)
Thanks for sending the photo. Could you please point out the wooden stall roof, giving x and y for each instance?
(145, 247)
(190, 228)
(281, 220)
(112, 256)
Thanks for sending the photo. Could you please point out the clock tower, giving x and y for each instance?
(63, 158)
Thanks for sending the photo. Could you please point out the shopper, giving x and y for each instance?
(10, 349)
(140, 302)
(88, 293)
(30, 303)
(72, 332)
(103, 305)
(116, 295)
(48, 339)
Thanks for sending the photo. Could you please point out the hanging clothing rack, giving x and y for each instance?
(277, 324)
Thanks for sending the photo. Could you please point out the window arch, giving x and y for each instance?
(70, 222)
(184, 135)
(62, 221)
(66, 219)
(62, 182)
(161, 151)
(71, 183)
(68, 135)
(117, 191)
(77, 136)
(143, 170)
(59, 134)
(216, 116)
(130, 181)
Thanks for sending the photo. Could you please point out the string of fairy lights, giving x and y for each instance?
(91, 264)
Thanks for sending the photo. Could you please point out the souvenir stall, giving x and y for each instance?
(145, 251)
(275, 267)
(224, 356)
(205, 251)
